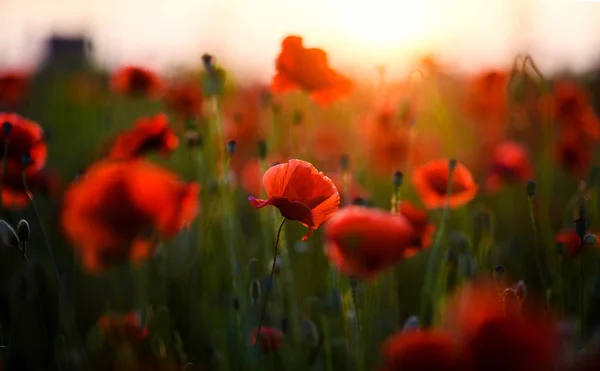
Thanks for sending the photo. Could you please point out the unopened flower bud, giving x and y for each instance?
(262, 149)
(231, 147)
(590, 239)
(411, 324)
(7, 128)
(344, 162)
(255, 291)
(23, 230)
(531, 186)
(398, 178)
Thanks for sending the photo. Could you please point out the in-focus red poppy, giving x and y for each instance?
(364, 241)
(269, 340)
(14, 194)
(136, 81)
(301, 193)
(127, 327)
(147, 135)
(573, 152)
(13, 88)
(431, 183)
(25, 138)
(497, 339)
(119, 211)
(308, 69)
(422, 350)
(185, 98)
(509, 164)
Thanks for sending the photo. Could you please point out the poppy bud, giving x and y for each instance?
(6, 128)
(398, 179)
(411, 324)
(297, 117)
(459, 241)
(590, 239)
(262, 149)
(581, 227)
(192, 139)
(236, 304)
(521, 290)
(452, 164)
(531, 187)
(354, 281)
(23, 230)
(499, 273)
(8, 236)
(255, 291)
(451, 255)
(231, 147)
(207, 61)
(26, 159)
(344, 162)
(359, 201)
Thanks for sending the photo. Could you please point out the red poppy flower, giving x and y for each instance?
(126, 327)
(487, 95)
(270, 339)
(308, 69)
(423, 229)
(185, 98)
(118, 211)
(363, 241)
(13, 87)
(148, 134)
(569, 101)
(497, 339)
(510, 163)
(136, 81)
(570, 240)
(25, 138)
(14, 195)
(301, 193)
(422, 350)
(574, 152)
(431, 183)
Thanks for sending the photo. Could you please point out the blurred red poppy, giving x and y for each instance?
(14, 194)
(301, 193)
(127, 327)
(510, 163)
(431, 183)
(497, 339)
(270, 339)
(571, 242)
(118, 211)
(364, 241)
(308, 69)
(423, 229)
(487, 95)
(422, 350)
(25, 138)
(185, 98)
(573, 152)
(13, 88)
(136, 81)
(148, 134)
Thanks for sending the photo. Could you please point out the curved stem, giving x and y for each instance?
(53, 262)
(270, 287)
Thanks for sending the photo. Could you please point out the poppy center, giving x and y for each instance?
(139, 81)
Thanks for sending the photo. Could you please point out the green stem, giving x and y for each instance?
(537, 247)
(63, 291)
(270, 287)
(435, 259)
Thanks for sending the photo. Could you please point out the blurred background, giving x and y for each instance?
(359, 34)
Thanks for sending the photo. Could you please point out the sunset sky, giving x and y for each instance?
(358, 35)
